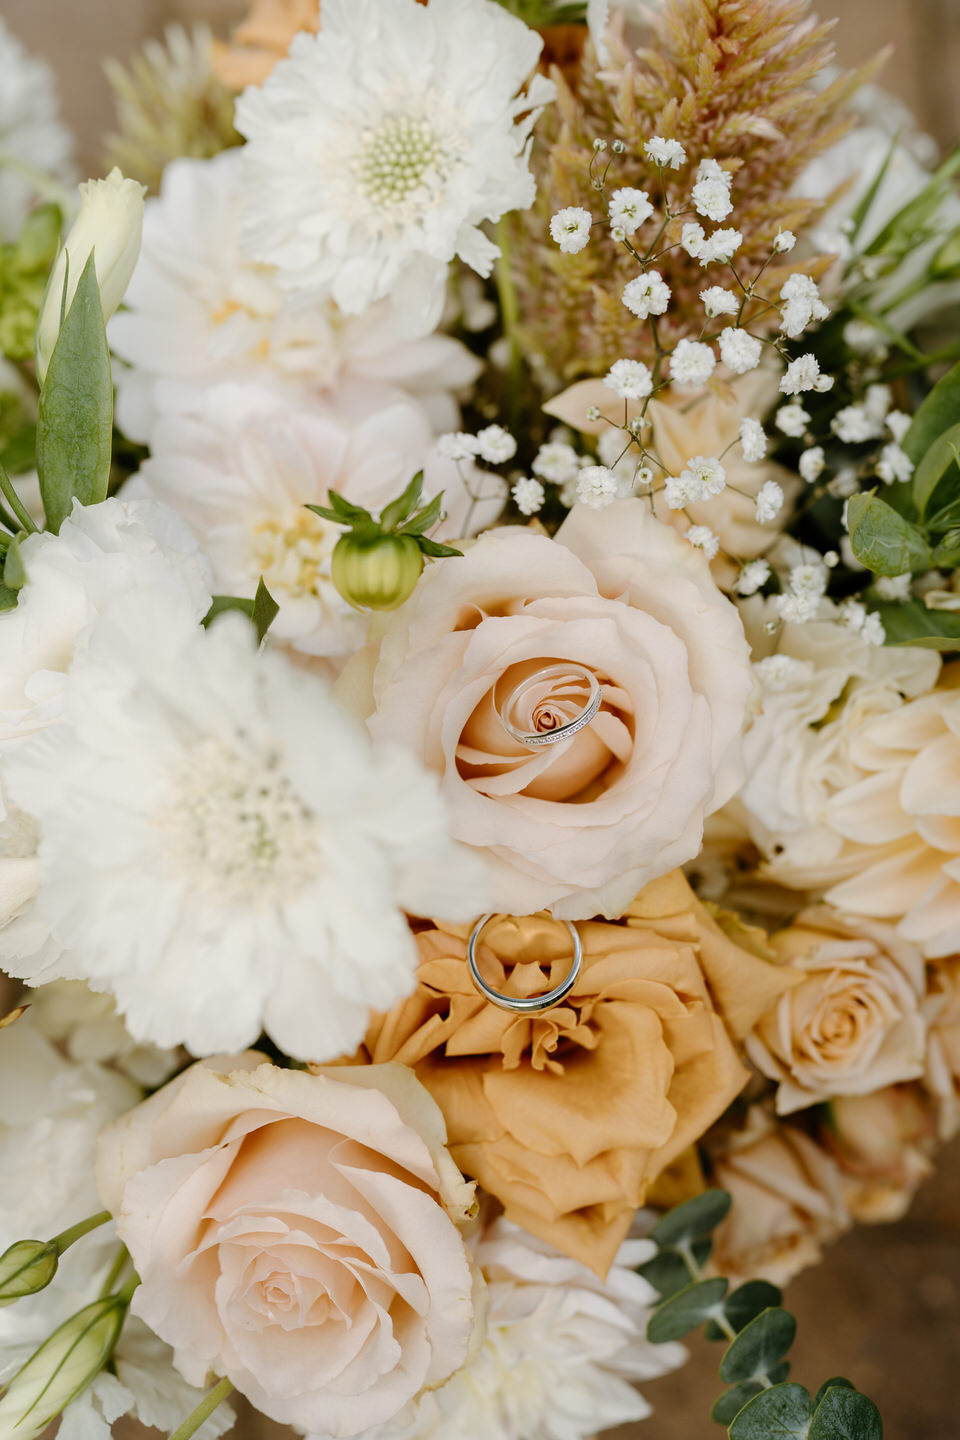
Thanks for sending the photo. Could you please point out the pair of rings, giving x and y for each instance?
(524, 1004)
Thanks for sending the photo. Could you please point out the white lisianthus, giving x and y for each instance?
(223, 848)
(108, 226)
(32, 131)
(379, 146)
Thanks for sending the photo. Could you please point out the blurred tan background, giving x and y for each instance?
(884, 1308)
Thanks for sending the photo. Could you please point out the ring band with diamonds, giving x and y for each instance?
(524, 1004)
(536, 738)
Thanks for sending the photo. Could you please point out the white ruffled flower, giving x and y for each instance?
(768, 502)
(629, 208)
(528, 496)
(630, 379)
(739, 350)
(647, 295)
(752, 577)
(792, 420)
(894, 464)
(702, 538)
(718, 301)
(557, 462)
(801, 374)
(669, 154)
(495, 445)
(711, 193)
(570, 228)
(753, 440)
(692, 363)
(693, 238)
(198, 312)
(378, 147)
(223, 848)
(31, 131)
(803, 304)
(812, 461)
(597, 487)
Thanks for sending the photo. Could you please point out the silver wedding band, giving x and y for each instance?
(563, 732)
(524, 1004)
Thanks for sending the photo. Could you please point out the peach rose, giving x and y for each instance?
(854, 1024)
(787, 1202)
(581, 825)
(297, 1233)
(567, 1117)
(884, 1143)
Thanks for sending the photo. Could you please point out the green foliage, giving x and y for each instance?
(75, 417)
(692, 1220)
(686, 1310)
(844, 1414)
(261, 611)
(540, 13)
(744, 1305)
(783, 1411)
(759, 1346)
(939, 411)
(883, 540)
(25, 264)
(910, 622)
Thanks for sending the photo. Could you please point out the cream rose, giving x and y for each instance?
(582, 825)
(297, 1233)
(884, 1142)
(855, 1024)
(942, 1075)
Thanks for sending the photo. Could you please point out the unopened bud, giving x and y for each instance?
(64, 1365)
(28, 1266)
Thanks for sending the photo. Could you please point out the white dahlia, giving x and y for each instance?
(379, 146)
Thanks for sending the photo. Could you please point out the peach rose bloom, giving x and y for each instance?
(943, 1053)
(884, 1143)
(567, 1117)
(262, 39)
(787, 1202)
(297, 1233)
(579, 826)
(854, 1024)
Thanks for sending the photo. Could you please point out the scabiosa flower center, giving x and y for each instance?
(402, 164)
(237, 825)
(292, 550)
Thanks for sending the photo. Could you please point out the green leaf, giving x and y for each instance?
(744, 1305)
(936, 461)
(264, 612)
(223, 603)
(845, 1414)
(342, 509)
(882, 540)
(909, 622)
(939, 411)
(14, 574)
(326, 514)
(404, 505)
(759, 1346)
(692, 1219)
(667, 1272)
(731, 1402)
(686, 1310)
(75, 416)
(430, 547)
(828, 1384)
(425, 518)
(20, 451)
(8, 598)
(781, 1413)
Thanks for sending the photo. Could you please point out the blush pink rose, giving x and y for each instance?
(579, 826)
(297, 1233)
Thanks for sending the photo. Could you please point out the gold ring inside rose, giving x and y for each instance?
(524, 1004)
(550, 692)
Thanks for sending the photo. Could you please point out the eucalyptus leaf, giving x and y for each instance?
(783, 1412)
(759, 1346)
(686, 1310)
(75, 415)
(829, 1384)
(265, 610)
(845, 1414)
(731, 1402)
(939, 411)
(884, 541)
(667, 1272)
(692, 1219)
(937, 460)
(744, 1305)
(910, 622)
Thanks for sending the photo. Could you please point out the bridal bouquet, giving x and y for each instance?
(479, 753)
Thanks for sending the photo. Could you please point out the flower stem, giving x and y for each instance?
(115, 1271)
(66, 1238)
(206, 1407)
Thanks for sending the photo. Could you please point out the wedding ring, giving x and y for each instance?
(524, 1004)
(545, 711)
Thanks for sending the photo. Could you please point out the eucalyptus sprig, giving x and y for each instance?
(761, 1404)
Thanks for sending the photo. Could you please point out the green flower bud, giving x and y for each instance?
(64, 1365)
(28, 1266)
(376, 572)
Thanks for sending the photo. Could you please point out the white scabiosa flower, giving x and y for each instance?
(629, 208)
(495, 445)
(669, 154)
(718, 301)
(792, 420)
(528, 496)
(630, 379)
(739, 350)
(224, 850)
(692, 363)
(768, 502)
(801, 374)
(647, 295)
(752, 577)
(811, 463)
(379, 146)
(704, 539)
(31, 130)
(753, 440)
(597, 487)
(570, 228)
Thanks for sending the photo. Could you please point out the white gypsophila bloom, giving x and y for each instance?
(692, 363)
(702, 479)
(198, 312)
(647, 295)
(797, 607)
(711, 193)
(378, 147)
(618, 453)
(854, 425)
(801, 374)
(669, 154)
(557, 462)
(718, 301)
(768, 502)
(739, 350)
(692, 239)
(597, 487)
(783, 241)
(753, 440)
(224, 849)
(852, 614)
(898, 423)
(845, 483)
(528, 496)
(752, 577)
(776, 672)
(495, 445)
(894, 464)
(812, 462)
(720, 247)
(792, 420)
(877, 402)
(629, 208)
(872, 630)
(32, 135)
(570, 228)
(561, 1352)
(703, 539)
(457, 445)
(630, 379)
(893, 587)
(803, 304)
(865, 339)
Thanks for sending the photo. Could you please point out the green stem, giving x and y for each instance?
(125, 1293)
(114, 1273)
(17, 506)
(66, 1238)
(206, 1407)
